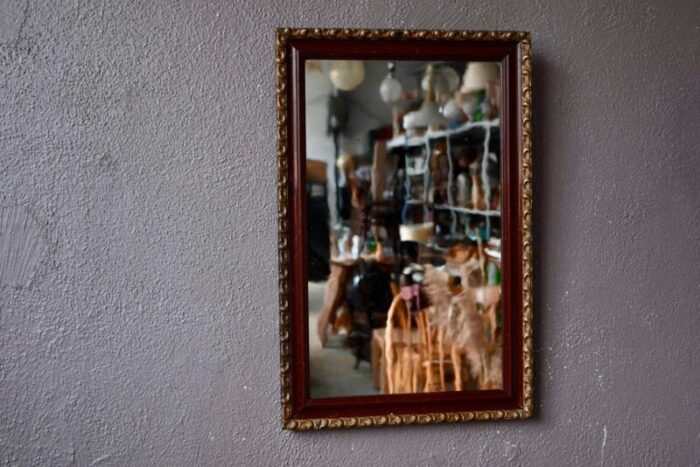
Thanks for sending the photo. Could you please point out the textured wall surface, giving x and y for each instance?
(137, 141)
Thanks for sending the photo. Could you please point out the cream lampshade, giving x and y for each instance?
(478, 75)
(346, 75)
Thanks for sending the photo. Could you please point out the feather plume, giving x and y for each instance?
(495, 376)
(474, 358)
(470, 273)
(437, 290)
(462, 323)
(466, 327)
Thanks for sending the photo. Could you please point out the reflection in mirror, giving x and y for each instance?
(404, 226)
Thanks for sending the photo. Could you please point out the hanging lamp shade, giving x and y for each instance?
(390, 89)
(346, 75)
(478, 75)
(428, 114)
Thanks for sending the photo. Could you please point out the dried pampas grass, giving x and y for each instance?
(463, 326)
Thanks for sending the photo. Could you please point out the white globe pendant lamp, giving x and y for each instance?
(390, 89)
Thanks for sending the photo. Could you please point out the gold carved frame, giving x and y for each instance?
(525, 129)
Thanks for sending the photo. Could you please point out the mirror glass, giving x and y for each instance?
(403, 186)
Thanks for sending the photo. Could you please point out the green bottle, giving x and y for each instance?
(370, 243)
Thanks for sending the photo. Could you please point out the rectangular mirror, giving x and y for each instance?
(405, 206)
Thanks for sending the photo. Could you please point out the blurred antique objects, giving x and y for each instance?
(476, 102)
(403, 271)
(390, 92)
(478, 200)
(428, 115)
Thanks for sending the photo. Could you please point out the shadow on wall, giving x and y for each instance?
(545, 77)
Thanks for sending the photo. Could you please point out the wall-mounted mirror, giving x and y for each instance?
(404, 221)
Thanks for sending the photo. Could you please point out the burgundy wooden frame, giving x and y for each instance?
(298, 50)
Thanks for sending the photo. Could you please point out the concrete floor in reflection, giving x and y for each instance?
(332, 369)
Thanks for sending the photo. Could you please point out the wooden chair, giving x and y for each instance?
(398, 343)
(415, 360)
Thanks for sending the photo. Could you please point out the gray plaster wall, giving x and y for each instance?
(138, 325)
